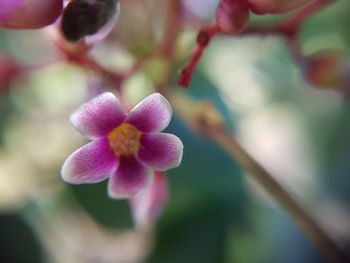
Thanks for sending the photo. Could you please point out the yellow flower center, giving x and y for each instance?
(124, 140)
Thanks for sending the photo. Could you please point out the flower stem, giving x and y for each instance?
(311, 228)
(203, 39)
(294, 22)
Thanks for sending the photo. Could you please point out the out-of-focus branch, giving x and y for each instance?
(297, 19)
(204, 119)
(90, 64)
(290, 26)
(171, 28)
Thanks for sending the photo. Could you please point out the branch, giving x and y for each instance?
(204, 119)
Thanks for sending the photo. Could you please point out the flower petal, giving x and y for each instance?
(147, 206)
(130, 178)
(92, 163)
(152, 114)
(99, 116)
(160, 151)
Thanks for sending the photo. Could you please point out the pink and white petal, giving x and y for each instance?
(152, 114)
(130, 178)
(147, 206)
(90, 164)
(160, 151)
(99, 116)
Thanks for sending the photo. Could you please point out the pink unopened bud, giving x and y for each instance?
(29, 14)
(89, 20)
(275, 6)
(329, 71)
(84, 23)
(147, 206)
(8, 71)
(232, 16)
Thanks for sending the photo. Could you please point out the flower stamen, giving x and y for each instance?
(124, 140)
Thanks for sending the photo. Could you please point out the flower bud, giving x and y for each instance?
(147, 206)
(261, 7)
(83, 18)
(29, 14)
(329, 71)
(79, 29)
(232, 16)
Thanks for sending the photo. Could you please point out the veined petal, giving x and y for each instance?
(99, 116)
(92, 163)
(160, 151)
(130, 178)
(152, 114)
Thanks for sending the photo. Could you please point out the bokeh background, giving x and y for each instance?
(216, 211)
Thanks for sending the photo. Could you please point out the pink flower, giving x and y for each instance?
(126, 148)
(29, 14)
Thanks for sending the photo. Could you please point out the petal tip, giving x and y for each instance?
(92, 163)
(130, 182)
(67, 173)
(152, 114)
(178, 145)
(98, 116)
(161, 151)
(163, 101)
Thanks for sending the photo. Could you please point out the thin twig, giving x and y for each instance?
(171, 28)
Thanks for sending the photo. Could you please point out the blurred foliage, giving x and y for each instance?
(17, 241)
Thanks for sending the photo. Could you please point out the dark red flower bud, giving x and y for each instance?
(29, 14)
(232, 16)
